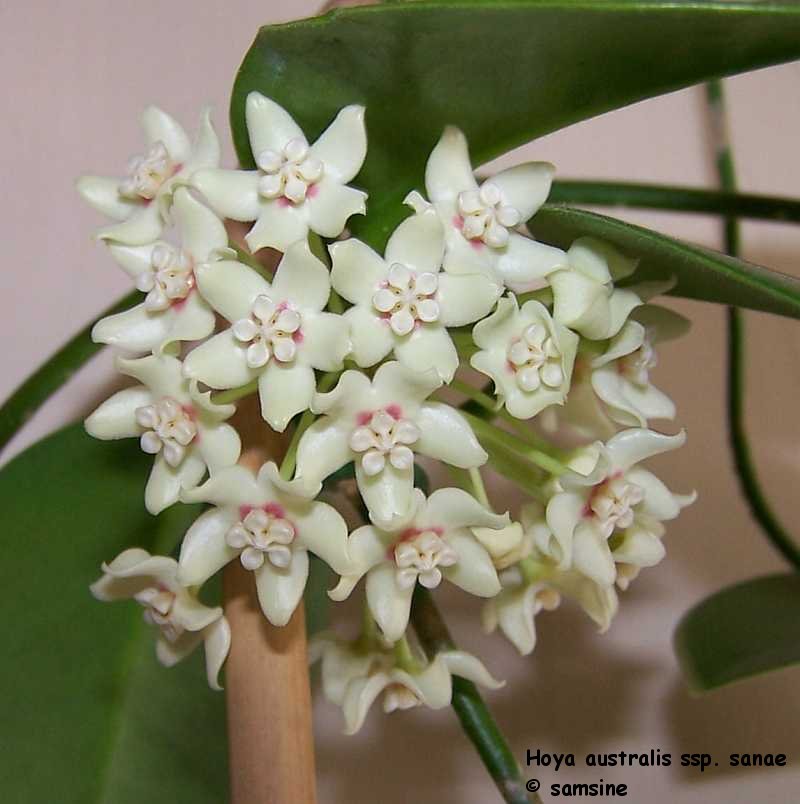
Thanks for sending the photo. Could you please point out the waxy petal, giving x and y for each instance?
(279, 224)
(230, 193)
(389, 603)
(280, 590)
(302, 279)
(474, 571)
(231, 287)
(446, 436)
(326, 341)
(417, 243)
(428, 347)
(285, 391)
(525, 187)
(269, 125)
(331, 205)
(342, 147)
(465, 298)
(166, 482)
(116, 417)
(202, 231)
(357, 270)
(204, 550)
(102, 194)
(387, 494)
(220, 362)
(454, 508)
(371, 337)
(449, 170)
(161, 127)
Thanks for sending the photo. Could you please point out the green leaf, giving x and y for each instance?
(504, 72)
(52, 374)
(700, 273)
(677, 199)
(741, 631)
(94, 717)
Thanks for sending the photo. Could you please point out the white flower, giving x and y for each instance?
(584, 296)
(183, 621)
(183, 428)
(621, 375)
(527, 354)
(403, 301)
(480, 222)
(514, 610)
(380, 425)
(297, 186)
(141, 201)
(433, 541)
(353, 677)
(279, 333)
(173, 310)
(618, 499)
(263, 522)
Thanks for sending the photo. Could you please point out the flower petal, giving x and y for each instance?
(326, 341)
(359, 697)
(285, 391)
(659, 501)
(394, 383)
(474, 571)
(331, 205)
(144, 225)
(206, 148)
(230, 287)
(449, 171)
(192, 320)
(102, 194)
(357, 270)
(418, 243)
(134, 260)
(524, 261)
(387, 494)
(135, 331)
(349, 396)
(201, 229)
(116, 417)
(217, 645)
(591, 556)
(219, 446)
(390, 605)
(465, 298)
(270, 126)
(323, 449)
(371, 337)
(454, 508)
(302, 279)
(342, 147)
(170, 653)
(165, 483)
(220, 362)
(321, 529)
(525, 187)
(230, 193)
(160, 127)
(514, 611)
(464, 665)
(161, 374)
(564, 512)
(428, 347)
(204, 550)
(132, 571)
(278, 225)
(280, 590)
(635, 445)
(446, 436)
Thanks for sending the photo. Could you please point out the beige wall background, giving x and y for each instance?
(74, 77)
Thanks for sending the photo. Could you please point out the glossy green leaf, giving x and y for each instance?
(89, 715)
(700, 273)
(744, 630)
(505, 72)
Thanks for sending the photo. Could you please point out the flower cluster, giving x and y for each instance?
(354, 350)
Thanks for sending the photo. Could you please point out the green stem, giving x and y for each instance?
(678, 199)
(53, 373)
(500, 439)
(478, 489)
(736, 385)
(404, 657)
(475, 718)
(234, 394)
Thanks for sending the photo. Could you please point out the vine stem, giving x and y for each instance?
(736, 380)
(472, 712)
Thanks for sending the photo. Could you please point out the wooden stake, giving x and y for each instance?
(271, 746)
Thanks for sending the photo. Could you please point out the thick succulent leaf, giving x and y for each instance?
(504, 72)
(96, 718)
(741, 631)
(700, 273)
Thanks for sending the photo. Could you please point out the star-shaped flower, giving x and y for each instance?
(403, 301)
(380, 424)
(527, 354)
(183, 621)
(354, 677)
(183, 428)
(431, 542)
(481, 222)
(140, 202)
(263, 522)
(618, 499)
(173, 310)
(279, 332)
(297, 186)
(584, 296)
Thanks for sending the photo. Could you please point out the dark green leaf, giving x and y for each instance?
(90, 715)
(676, 199)
(744, 630)
(700, 273)
(504, 72)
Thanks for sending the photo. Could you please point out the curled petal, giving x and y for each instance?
(323, 449)
(462, 664)
(230, 193)
(371, 337)
(326, 341)
(389, 603)
(418, 243)
(202, 231)
(166, 482)
(331, 206)
(635, 445)
(525, 187)
(204, 550)
(279, 224)
(231, 487)
(449, 171)
(386, 494)
(103, 195)
(142, 226)
(285, 391)
(474, 571)
(220, 362)
(279, 590)
(357, 270)
(269, 125)
(395, 383)
(523, 262)
(428, 347)
(231, 287)
(342, 147)
(116, 417)
(217, 639)
(454, 508)
(465, 298)
(446, 436)
(160, 127)
(302, 279)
